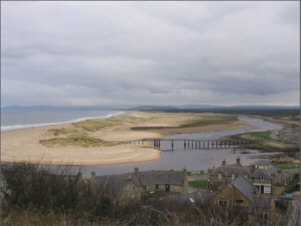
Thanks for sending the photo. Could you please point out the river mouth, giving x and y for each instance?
(177, 157)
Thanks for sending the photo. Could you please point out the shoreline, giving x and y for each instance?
(24, 145)
(31, 126)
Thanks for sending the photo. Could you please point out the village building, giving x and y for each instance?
(221, 176)
(237, 202)
(132, 185)
(243, 203)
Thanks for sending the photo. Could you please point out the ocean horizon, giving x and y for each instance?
(22, 119)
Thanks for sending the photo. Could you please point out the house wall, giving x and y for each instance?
(278, 190)
(230, 194)
(214, 182)
(172, 188)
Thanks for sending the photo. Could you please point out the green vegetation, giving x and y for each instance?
(280, 211)
(263, 135)
(286, 166)
(64, 131)
(77, 140)
(37, 197)
(198, 184)
(93, 125)
(294, 185)
(281, 206)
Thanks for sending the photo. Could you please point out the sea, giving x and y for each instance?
(20, 119)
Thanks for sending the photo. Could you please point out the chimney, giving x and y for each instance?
(238, 160)
(92, 174)
(136, 170)
(224, 162)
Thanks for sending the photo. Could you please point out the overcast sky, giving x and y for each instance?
(162, 53)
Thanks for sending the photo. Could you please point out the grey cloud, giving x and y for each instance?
(137, 52)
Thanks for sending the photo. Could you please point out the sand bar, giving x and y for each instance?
(24, 144)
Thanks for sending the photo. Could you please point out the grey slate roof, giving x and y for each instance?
(112, 183)
(245, 187)
(263, 163)
(115, 183)
(158, 177)
(228, 170)
(270, 172)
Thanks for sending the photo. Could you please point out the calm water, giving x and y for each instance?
(18, 119)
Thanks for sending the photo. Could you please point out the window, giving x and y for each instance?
(222, 203)
(233, 176)
(239, 201)
(262, 178)
(219, 176)
(157, 186)
(263, 216)
(267, 189)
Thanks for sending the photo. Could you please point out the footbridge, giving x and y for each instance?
(194, 143)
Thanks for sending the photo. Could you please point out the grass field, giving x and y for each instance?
(262, 135)
(288, 166)
(198, 184)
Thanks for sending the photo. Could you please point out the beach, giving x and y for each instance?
(25, 145)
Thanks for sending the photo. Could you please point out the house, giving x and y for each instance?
(219, 177)
(243, 204)
(237, 202)
(131, 185)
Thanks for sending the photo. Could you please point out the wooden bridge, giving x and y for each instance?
(196, 143)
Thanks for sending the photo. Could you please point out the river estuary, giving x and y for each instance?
(192, 159)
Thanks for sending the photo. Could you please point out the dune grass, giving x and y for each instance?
(77, 140)
(64, 131)
(197, 121)
(97, 124)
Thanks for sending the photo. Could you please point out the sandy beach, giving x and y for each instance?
(25, 144)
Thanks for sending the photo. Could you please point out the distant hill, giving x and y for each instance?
(149, 107)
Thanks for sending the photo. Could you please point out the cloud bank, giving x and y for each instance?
(99, 53)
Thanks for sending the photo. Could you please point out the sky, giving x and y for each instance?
(150, 53)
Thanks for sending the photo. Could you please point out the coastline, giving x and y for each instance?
(24, 145)
(35, 125)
